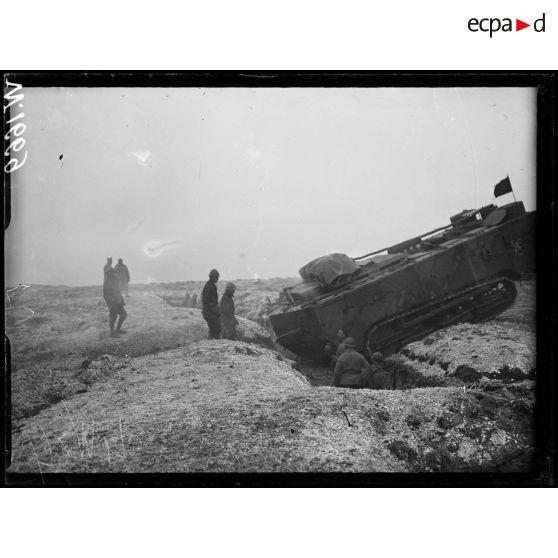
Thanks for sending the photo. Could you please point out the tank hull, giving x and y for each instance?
(423, 278)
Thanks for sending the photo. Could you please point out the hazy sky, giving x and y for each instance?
(254, 182)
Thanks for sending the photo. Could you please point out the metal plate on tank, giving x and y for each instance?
(495, 218)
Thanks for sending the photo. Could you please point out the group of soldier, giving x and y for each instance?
(220, 317)
(352, 370)
(115, 282)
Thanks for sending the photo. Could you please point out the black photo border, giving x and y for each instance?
(544, 465)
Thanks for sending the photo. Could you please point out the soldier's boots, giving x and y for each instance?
(119, 324)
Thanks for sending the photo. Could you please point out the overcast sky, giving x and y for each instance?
(254, 182)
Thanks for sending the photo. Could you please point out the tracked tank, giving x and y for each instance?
(463, 271)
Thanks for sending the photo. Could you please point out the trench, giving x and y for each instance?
(404, 377)
(176, 301)
(408, 370)
(317, 372)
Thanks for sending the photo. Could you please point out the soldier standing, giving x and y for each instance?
(349, 366)
(333, 351)
(115, 302)
(194, 301)
(123, 275)
(210, 305)
(108, 266)
(187, 301)
(228, 319)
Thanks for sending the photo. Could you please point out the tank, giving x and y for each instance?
(461, 272)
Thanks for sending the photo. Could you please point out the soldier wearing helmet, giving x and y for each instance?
(376, 377)
(334, 350)
(210, 305)
(349, 367)
(228, 318)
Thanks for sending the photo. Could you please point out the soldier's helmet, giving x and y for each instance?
(350, 342)
(377, 357)
(230, 287)
(214, 273)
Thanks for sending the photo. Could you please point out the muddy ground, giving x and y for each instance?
(163, 398)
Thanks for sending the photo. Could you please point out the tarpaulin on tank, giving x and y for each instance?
(330, 271)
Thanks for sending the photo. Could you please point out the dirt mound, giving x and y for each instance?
(70, 325)
(468, 353)
(233, 406)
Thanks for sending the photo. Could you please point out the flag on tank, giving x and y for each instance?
(503, 187)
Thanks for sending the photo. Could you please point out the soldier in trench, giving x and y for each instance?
(376, 377)
(187, 301)
(334, 350)
(350, 367)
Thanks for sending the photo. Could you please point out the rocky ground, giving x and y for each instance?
(163, 398)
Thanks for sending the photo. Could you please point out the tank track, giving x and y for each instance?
(474, 304)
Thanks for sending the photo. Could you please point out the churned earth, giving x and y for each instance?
(162, 398)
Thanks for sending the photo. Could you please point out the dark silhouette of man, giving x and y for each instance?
(122, 275)
(349, 367)
(115, 302)
(334, 350)
(228, 318)
(210, 305)
(108, 266)
(376, 377)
